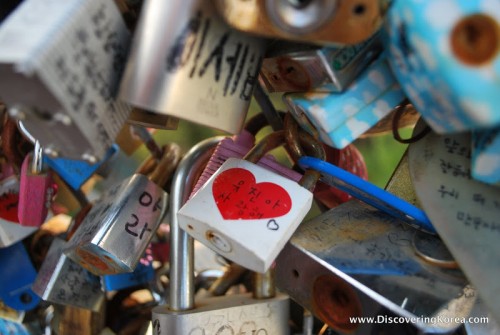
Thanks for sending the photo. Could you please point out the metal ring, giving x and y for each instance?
(398, 112)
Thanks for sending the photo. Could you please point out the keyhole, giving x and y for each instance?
(475, 39)
(299, 4)
(340, 298)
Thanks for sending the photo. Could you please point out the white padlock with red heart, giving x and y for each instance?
(246, 213)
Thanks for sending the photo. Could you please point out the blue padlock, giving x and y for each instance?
(18, 275)
(446, 56)
(76, 172)
(485, 155)
(340, 118)
(142, 275)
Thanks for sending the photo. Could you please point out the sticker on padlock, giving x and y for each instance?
(303, 67)
(450, 69)
(464, 211)
(356, 261)
(216, 66)
(18, 275)
(318, 21)
(142, 275)
(114, 235)
(62, 281)
(76, 172)
(260, 314)
(37, 190)
(485, 162)
(340, 118)
(69, 57)
(242, 200)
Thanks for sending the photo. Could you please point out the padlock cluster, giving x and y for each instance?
(94, 241)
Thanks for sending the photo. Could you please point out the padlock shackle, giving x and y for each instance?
(181, 244)
(259, 121)
(297, 139)
(268, 143)
(37, 159)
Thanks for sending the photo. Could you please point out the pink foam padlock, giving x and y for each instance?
(37, 189)
(237, 147)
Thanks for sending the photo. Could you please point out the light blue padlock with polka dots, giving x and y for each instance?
(485, 160)
(446, 55)
(340, 118)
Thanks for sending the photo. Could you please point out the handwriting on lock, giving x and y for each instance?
(194, 35)
(146, 201)
(239, 197)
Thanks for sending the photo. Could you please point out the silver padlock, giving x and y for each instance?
(186, 62)
(216, 315)
(355, 261)
(114, 235)
(62, 281)
(295, 67)
(69, 57)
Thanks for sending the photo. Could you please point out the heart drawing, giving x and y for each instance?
(239, 197)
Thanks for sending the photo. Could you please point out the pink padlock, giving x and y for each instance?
(37, 189)
(237, 147)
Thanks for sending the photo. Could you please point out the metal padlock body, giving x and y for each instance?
(18, 275)
(451, 79)
(62, 281)
(322, 21)
(248, 227)
(116, 232)
(342, 118)
(142, 275)
(485, 160)
(303, 68)
(69, 57)
(76, 172)
(232, 314)
(35, 195)
(354, 261)
(238, 147)
(198, 51)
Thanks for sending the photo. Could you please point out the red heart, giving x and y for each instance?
(238, 196)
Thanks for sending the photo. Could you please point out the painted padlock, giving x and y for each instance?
(18, 275)
(237, 147)
(340, 118)
(201, 71)
(70, 60)
(485, 160)
(142, 275)
(313, 21)
(242, 200)
(37, 189)
(116, 232)
(449, 68)
(295, 67)
(236, 313)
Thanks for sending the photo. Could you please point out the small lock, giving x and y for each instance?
(18, 275)
(37, 190)
(355, 261)
(234, 313)
(63, 281)
(449, 69)
(71, 76)
(243, 200)
(340, 118)
(293, 67)
(116, 232)
(202, 71)
(317, 21)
